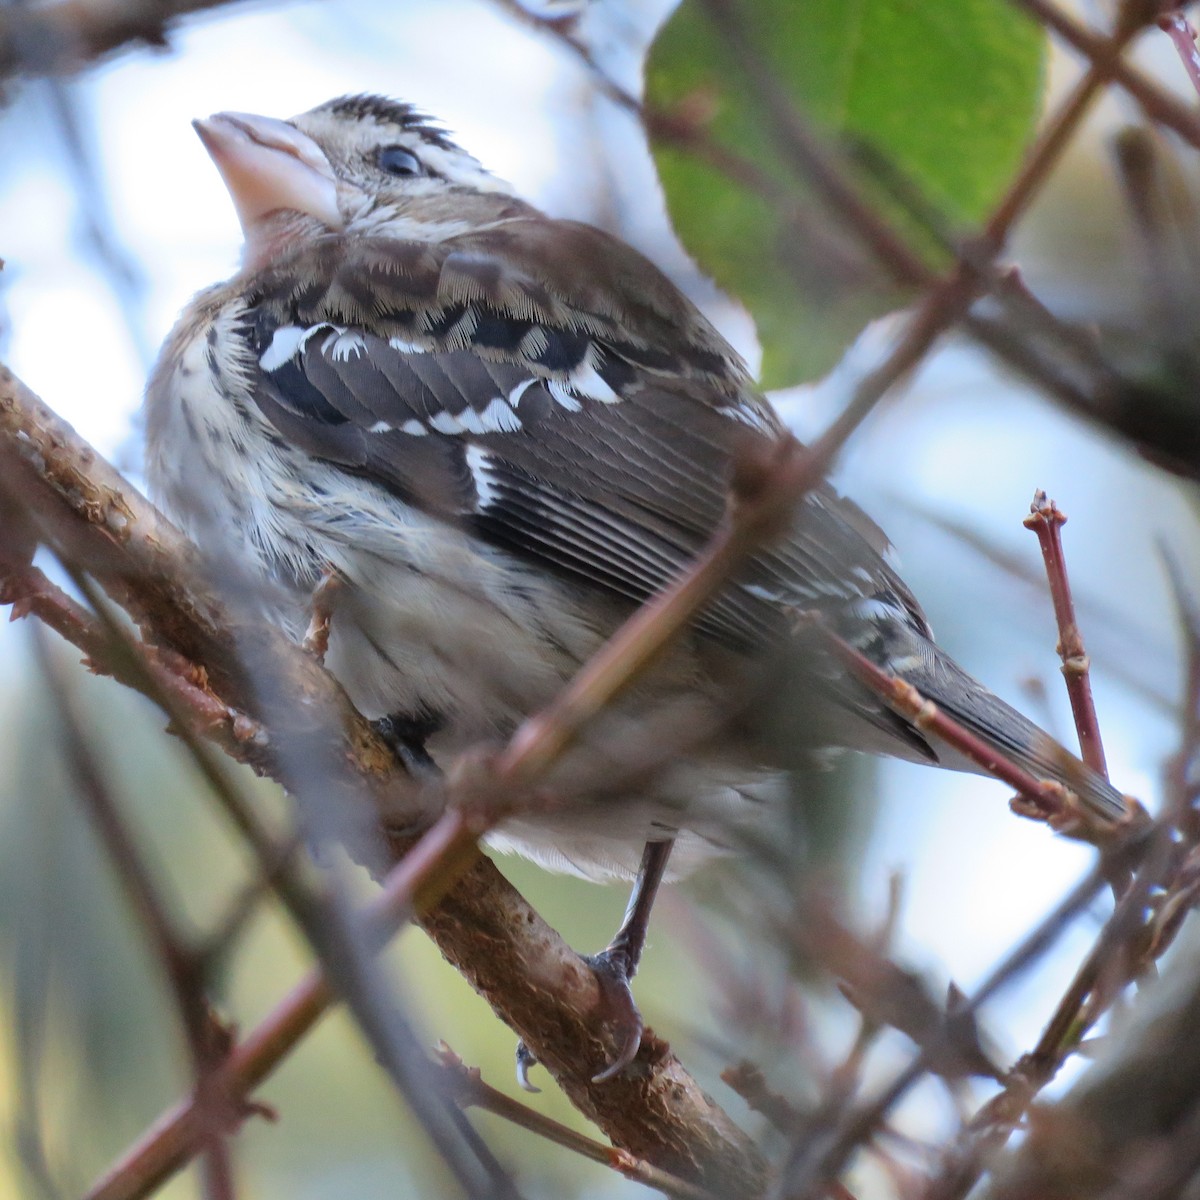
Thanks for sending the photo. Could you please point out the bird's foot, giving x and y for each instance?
(406, 736)
(618, 1012)
(324, 599)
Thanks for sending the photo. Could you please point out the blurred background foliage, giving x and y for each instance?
(112, 217)
(946, 93)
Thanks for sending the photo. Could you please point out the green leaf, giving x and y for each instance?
(945, 92)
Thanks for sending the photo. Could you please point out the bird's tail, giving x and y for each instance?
(937, 677)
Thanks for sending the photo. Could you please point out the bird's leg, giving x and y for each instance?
(407, 734)
(622, 955)
(324, 599)
(617, 964)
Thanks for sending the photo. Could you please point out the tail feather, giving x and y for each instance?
(939, 678)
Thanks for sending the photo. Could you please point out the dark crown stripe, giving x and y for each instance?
(392, 112)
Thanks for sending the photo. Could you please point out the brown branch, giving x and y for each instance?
(175, 1137)
(85, 510)
(1159, 104)
(535, 981)
(482, 925)
(1117, 957)
(156, 673)
(467, 1087)
(64, 37)
(750, 1083)
(1136, 935)
(885, 995)
(812, 1165)
(345, 962)
(206, 1038)
(1183, 789)
(1183, 37)
(1047, 520)
(1130, 1124)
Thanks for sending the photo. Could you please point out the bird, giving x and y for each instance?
(501, 432)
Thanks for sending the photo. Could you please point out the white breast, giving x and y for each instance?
(431, 620)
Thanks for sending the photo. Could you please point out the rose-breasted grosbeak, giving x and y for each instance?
(502, 432)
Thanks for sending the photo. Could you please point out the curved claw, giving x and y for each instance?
(619, 1010)
(525, 1059)
(612, 974)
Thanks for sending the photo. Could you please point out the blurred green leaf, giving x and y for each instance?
(946, 92)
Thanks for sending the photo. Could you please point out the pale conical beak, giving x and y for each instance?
(269, 166)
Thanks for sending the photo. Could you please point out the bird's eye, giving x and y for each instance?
(395, 160)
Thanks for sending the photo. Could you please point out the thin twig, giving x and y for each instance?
(1179, 29)
(1047, 520)
(206, 1039)
(1042, 799)
(173, 1138)
(1091, 992)
(153, 671)
(823, 1159)
(749, 1082)
(1159, 104)
(1127, 945)
(467, 1087)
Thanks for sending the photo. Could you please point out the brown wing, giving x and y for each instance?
(544, 384)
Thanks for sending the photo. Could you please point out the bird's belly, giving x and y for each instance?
(482, 658)
(472, 649)
(432, 623)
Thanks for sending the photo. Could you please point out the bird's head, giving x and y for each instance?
(355, 165)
